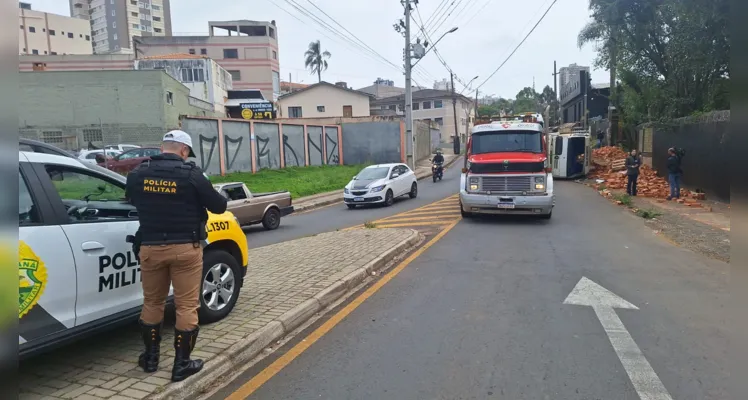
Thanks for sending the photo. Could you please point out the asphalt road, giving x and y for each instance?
(338, 216)
(479, 315)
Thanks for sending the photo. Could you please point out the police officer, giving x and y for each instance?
(171, 196)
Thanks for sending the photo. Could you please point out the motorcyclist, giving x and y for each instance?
(438, 158)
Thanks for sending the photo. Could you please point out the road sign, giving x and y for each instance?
(263, 110)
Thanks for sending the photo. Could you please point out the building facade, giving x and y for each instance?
(43, 33)
(432, 105)
(383, 88)
(206, 80)
(568, 74)
(324, 100)
(75, 62)
(249, 51)
(71, 108)
(114, 23)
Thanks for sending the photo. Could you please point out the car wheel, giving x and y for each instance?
(389, 198)
(413, 191)
(272, 219)
(220, 286)
(351, 206)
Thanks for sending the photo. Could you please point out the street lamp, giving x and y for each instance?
(433, 45)
(468, 84)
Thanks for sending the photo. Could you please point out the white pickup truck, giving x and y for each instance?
(255, 208)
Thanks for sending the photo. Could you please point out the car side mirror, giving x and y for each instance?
(395, 175)
(354, 178)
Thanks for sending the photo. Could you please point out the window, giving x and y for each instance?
(32, 29)
(157, 30)
(70, 35)
(439, 121)
(73, 185)
(28, 212)
(114, 37)
(193, 75)
(34, 51)
(134, 2)
(294, 112)
(230, 53)
(135, 26)
(53, 53)
(92, 135)
(52, 32)
(113, 14)
(192, 51)
(170, 98)
(130, 154)
(415, 106)
(155, 7)
(45, 51)
(21, 26)
(204, 51)
(275, 55)
(426, 105)
(271, 32)
(88, 38)
(134, 14)
(393, 107)
(157, 19)
(52, 137)
(235, 75)
(438, 104)
(114, 24)
(320, 108)
(151, 152)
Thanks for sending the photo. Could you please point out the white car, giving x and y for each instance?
(380, 184)
(121, 147)
(89, 156)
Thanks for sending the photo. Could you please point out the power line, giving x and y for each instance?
(436, 52)
(433, 15)
(435, 28)
(518, 46)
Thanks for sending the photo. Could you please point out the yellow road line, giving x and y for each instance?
(260, 379)
(405, 219)
(427, 212)
(413, 224)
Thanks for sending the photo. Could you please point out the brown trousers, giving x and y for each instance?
(180, 265)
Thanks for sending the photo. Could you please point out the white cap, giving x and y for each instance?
(180, 137)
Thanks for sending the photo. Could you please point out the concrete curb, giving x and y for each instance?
(337, 195)
(243, 351)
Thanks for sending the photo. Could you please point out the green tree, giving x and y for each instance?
(316, 59)
(527, 101)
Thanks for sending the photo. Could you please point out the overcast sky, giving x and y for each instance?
(488, 30)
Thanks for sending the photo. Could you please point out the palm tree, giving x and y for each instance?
(316, 59)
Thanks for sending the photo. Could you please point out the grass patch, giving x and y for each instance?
(369, 225)
(625, 199)
(648, 214)
(300, 181)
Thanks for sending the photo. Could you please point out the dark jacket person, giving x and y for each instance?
(674, 173)
(633, 163)
(171, 197)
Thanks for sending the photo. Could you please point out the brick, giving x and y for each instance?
(154, 380)
(102, 393)
(134, 393)
(146, 387)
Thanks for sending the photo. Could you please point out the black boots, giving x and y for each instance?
(184, 343)
(151, 334)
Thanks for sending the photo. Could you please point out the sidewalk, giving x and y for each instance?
(423, 170)
(286, 284)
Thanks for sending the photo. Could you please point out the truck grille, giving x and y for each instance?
(487, 168)
(506, 183)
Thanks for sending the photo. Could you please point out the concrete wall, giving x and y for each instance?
(372, 142)
(52, 34)
(315, 145)
(333, 100)
(422, 133)
(294, 149)
(104, 107)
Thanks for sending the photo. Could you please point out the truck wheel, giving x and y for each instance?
(464, 213)
(547, 216)
(272, 219)
(220, 286)
(413, 191)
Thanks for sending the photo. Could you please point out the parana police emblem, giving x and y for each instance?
(32, 275)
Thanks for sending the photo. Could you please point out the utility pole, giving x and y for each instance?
(556, 108)
(456, 146)
(613, 93)
(409, 137)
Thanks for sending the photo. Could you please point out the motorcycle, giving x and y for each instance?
(437, 171)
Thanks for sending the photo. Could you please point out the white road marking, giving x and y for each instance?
(645, 380)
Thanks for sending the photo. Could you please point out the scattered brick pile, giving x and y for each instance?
(648, 184)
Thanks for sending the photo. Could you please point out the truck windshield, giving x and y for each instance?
(506, 141)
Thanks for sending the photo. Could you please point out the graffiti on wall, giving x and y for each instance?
(314, 142)
(204, 134)
(204, 158)
(237, 153)
(268, 145)
(331, 144)
(293, 145)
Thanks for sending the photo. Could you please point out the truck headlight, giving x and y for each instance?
(539, 186)
(474, 183)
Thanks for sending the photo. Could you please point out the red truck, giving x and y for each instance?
(125, 162)
(506, 169)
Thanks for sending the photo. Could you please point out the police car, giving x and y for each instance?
(77, 274)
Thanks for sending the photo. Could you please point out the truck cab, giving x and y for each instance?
(506, 169)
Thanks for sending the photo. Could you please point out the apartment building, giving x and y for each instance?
(42, 33)
(431, 105)
(113, 23)
(247, 49)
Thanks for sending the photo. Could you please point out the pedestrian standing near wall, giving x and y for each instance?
(633, 162)
(171, 197)
(600, 137)
(674, 173)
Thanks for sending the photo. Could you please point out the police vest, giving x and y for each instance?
(167, 202)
